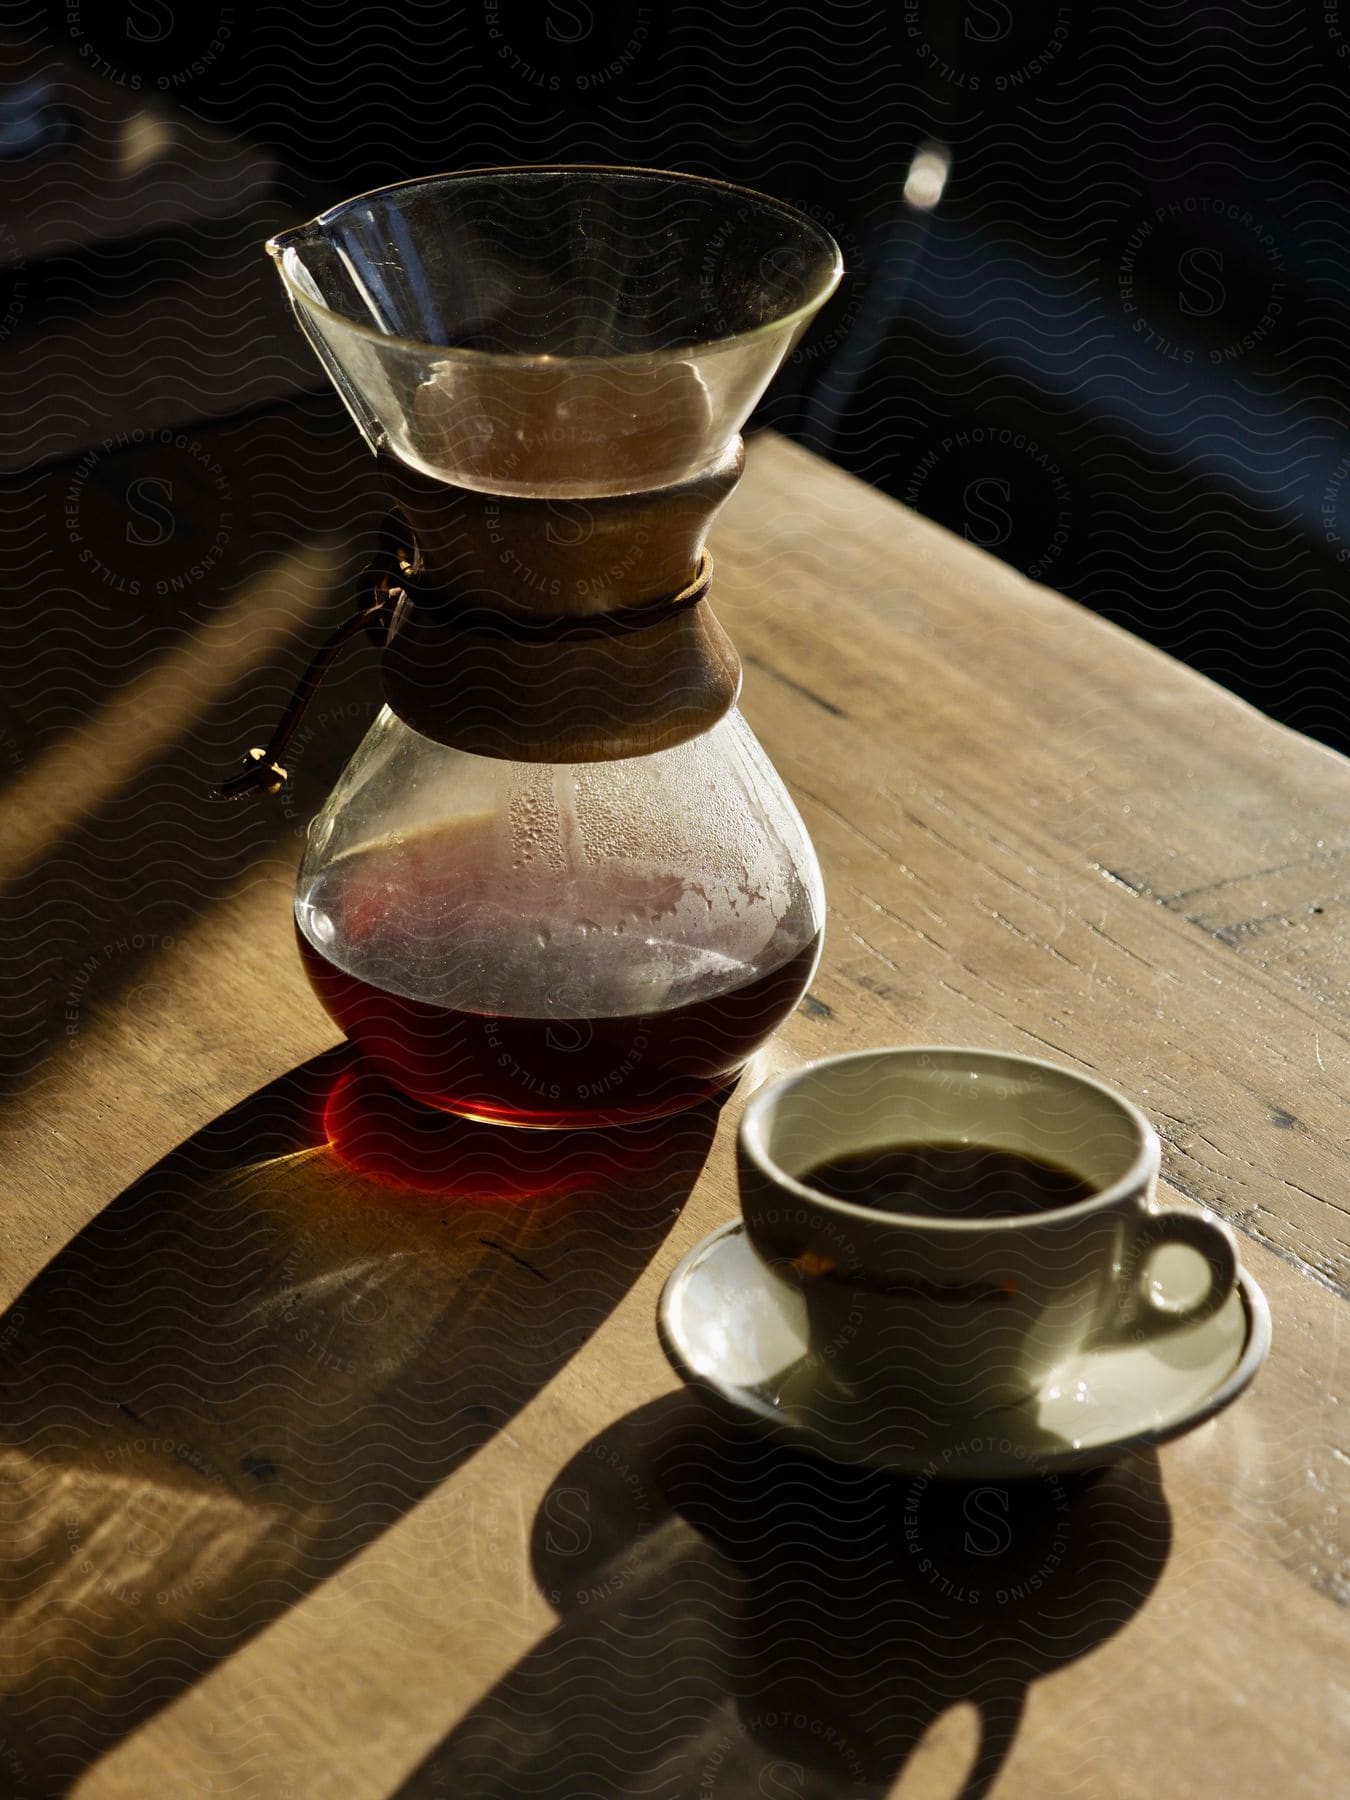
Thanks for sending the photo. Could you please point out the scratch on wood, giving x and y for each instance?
(1321, 1199)
(903, 923)
(1233, 935)
(520, 1262)
(872, 950)
(1030, 938)
(1058, 1049)
(900, 918)
(1017, 1023)
(849, 825)
(1132, 884)
(1123, 948)
(797, 687)
(1210, 887)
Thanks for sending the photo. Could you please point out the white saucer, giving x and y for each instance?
(738, 1333)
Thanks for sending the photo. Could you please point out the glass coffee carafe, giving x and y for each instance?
(559, 883)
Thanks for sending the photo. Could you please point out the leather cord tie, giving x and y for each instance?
(383, 585)
(392, 577)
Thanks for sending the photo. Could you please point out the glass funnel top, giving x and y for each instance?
(556, 331)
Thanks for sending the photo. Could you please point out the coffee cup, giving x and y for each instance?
(946, 1310)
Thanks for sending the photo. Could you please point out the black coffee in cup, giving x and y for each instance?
(948, 1181)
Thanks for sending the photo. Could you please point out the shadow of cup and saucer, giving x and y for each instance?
(741, 1618)
(927, 1476)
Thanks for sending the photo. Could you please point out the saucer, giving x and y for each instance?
(736, 1332)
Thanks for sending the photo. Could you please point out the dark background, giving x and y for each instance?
(1114, 353)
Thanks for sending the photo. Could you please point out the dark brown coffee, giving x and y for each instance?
(948, 1181)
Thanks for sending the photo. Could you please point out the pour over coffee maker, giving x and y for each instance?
(559, 883)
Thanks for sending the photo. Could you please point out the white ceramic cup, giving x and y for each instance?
(965, 1312)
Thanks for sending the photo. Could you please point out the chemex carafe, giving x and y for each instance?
(559, 883)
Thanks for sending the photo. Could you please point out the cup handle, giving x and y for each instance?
(1143, 1315)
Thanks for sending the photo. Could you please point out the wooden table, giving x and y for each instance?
(318, 1483)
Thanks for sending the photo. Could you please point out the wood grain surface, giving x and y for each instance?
(338, 1460)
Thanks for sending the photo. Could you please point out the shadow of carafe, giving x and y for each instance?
(740, 1620)
(267, 1350)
